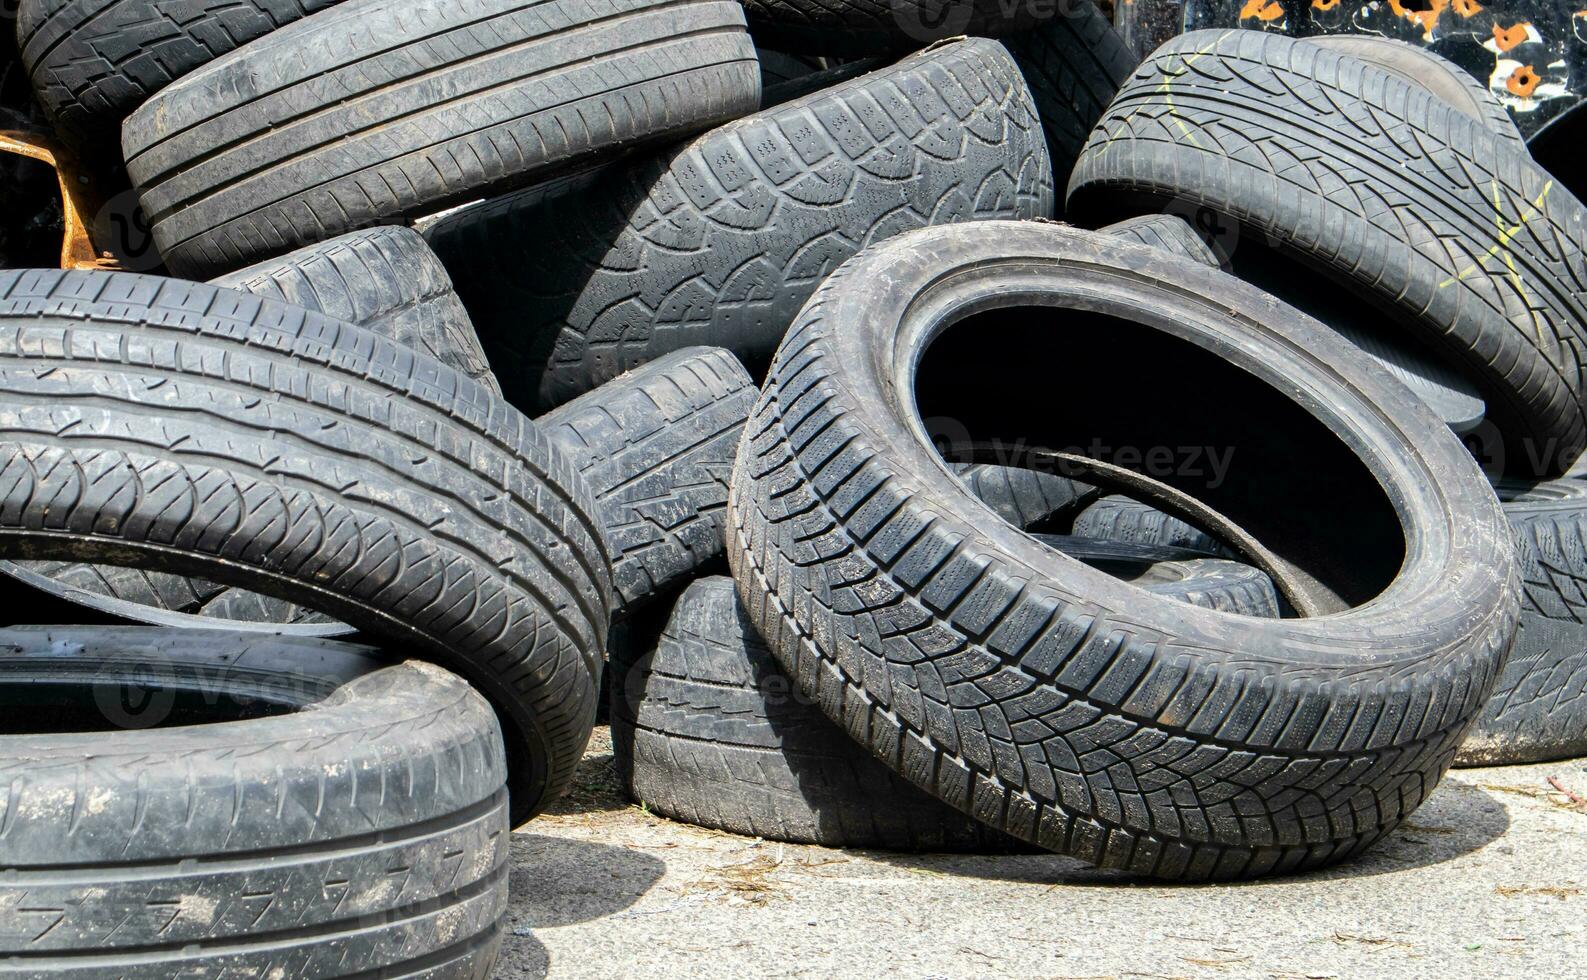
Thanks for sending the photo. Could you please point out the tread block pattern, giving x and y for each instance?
(382, 111)
(1119, 518)
(206, 432)
(94, 61)
(706, 729)
(1065, 723)
(1074, 64)
(1377, 184)
(721, 242)
(1538, 711)
(656, 448)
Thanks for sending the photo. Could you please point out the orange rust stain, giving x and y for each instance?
(1523, 81)
(1262, 10)
(1324, 4)
(1427, 18)
(1508, 37)
(1467, 8)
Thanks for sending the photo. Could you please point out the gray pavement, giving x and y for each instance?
(1488, 879)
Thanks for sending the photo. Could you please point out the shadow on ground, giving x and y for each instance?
(1457, 820)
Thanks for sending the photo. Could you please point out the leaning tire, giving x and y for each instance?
(355, 805)
(209, 433)
(1538, 711)
(1379, 187)
(93, 62)
(655, 448)
(385, 279)
(708, 731)
(381, 111)
(721, 241)
(1051, 700)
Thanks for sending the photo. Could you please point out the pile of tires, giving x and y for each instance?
(734, 349)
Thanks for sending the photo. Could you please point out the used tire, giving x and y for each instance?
(1431, 71)
(385, 279)
(277, 789)
(1025, 498)
(722, 240)
(94, 61)
(1380, 188)
(1538, 711)
(1119, 518)
(707, 730)
(196, 430)
(656, 449)
(1074, 64)
(1047, 698)
(381, 111)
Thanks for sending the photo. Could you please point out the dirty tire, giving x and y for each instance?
(706, 729)
(1050, 700)
(1434, 73)
(720, 242)
(656, 449)
(1119, 518)
(1196, 577)
(1023, 497)
(1168, 232)
(315, 462)
(1074, 64)
(190, 850)
(138, 595)
(93, 62)
(382, 111)
(1538, 711)
(859, 28)
(385, 279)
(778, 68)
(1377, 186)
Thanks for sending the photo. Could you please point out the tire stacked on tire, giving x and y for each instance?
(909, 517)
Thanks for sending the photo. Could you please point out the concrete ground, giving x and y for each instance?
(1488, 879)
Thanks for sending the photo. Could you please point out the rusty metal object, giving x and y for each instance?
(78, 202)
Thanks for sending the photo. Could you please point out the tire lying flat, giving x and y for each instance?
(93, 62)
(1378, 186)
(381, 111)
(190, 849)
(721, 241)
(1131, 731)
(656, 448)
(1538, 711)
(385, 279)
(312, 461)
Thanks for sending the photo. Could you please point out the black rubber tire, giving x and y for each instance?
(93, 62)
(1197, 577)
(861, 28)
(381, 111)
(721, 241)
(1132, 732)
(1432, 72)
(778, 68)
(1025, 498)
(706, 729)
(1538, 711)
(385, 279)
(362, 816)
(259, 445)
(1378, 186)
(1168, 232)
(656, 448)
(1074, 64)
(1119, 518)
